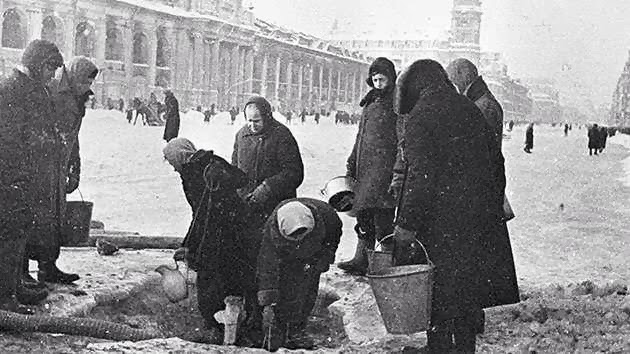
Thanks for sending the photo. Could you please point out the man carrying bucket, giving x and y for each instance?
(450, 200)
(299, 243)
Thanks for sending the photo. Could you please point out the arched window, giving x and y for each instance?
(52, 30)
(163, 55)
(113, 44)
(13, 30)
(84, 40)
(140, 48)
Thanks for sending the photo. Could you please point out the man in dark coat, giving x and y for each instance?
(70, 90)
(451, 198)
(529, 138)
(499, 273)
(593, 139)
(371, 164)
(267, 152)
(171, 129)
(28, 138)
(299, 242)
(222, 242)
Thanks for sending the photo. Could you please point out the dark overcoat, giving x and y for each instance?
(271, 156)
(29, 154)
(373, 156)
(451, 196)
(171, 129)
(499, 276)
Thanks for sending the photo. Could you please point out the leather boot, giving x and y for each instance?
(49, 272)
(358, 265)
(11, 256)
(27, 280)
(30, 296)
(464, 335)
(440, 339)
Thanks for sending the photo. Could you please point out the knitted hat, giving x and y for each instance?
(294, 216)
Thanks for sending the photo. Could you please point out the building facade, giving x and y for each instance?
(546, 106)
(620, 107)
(205, 51)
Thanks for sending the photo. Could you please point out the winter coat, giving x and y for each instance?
(529, 137)
(221, 234)
(451, 196)
(30, 155)
(318, 247)
(373, 156)
(480, 94)
(271, 156)
(171, 129)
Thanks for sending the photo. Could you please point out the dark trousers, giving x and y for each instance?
(375, 223)
(298, 293)
(12, 243)
(455, 335)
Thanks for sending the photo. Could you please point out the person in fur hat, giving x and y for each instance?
(299, 242)
(71, 90)
(28, 138)
(371, 164)
(267, 152)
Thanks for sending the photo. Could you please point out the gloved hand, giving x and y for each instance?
(268, 316)
(72, 183)
(259, 195)
(180, 254)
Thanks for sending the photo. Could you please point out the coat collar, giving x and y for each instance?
(476, 89)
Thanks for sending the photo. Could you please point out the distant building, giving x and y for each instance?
(462, 41)
(545, 101)
(205, 51)
(620, 108)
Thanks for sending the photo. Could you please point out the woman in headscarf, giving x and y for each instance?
(71, 89)
(221, 245)
(371, 164)
(171, 115)
(450, 200)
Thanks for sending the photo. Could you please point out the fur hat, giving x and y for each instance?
(39, 52)
(415, 79)
(383, 66)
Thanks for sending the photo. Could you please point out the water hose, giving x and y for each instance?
(78, 326)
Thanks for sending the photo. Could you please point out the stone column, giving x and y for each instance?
(346, 86)
(289, 78)
(310, 84)
(235, 77)
(152, 38)
(321, 87)
(99, 53)
(300, 82)
(330, 71)
(263, 75)
(127, 31)
(69, 32)
(338, 84)
(249, 71)
(214, 70)
(276, 92)
(354, 87)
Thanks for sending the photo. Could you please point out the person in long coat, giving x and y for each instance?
(499, 273)
(28, 139)
(371, 164)
(529, 138)
(267, 152)
(171, 115)
(451, 198)
(71, 90)
(299, 242)
(222, 242)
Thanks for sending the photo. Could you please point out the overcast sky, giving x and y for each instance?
(582, 44)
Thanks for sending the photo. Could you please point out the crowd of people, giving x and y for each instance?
(427, 163)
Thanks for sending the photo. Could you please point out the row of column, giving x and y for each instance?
(351, 87)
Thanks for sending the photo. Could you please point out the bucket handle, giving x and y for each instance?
(81, 194)
(426, 254)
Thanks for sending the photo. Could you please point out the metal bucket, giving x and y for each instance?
(379, 259)
(77, 227)
(339, 193)
(403, 295)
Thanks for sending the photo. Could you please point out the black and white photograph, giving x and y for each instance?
(299, 176)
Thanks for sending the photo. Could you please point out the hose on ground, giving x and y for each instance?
(78, 326)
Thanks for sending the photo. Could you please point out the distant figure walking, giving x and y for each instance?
(511, 125)
(593, 140)
(171, 115)
(529, 138)
(233, 114)
(603, 136)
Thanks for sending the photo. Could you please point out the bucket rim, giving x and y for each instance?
(419, 268)
(79, 202)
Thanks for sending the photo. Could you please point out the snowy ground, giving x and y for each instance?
(134, 189)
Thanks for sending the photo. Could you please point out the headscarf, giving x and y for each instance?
(178, 152)
(384, 67)
(80, 69)
(38, 53)
(293, 216)
(264, 107)
(421, 76)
